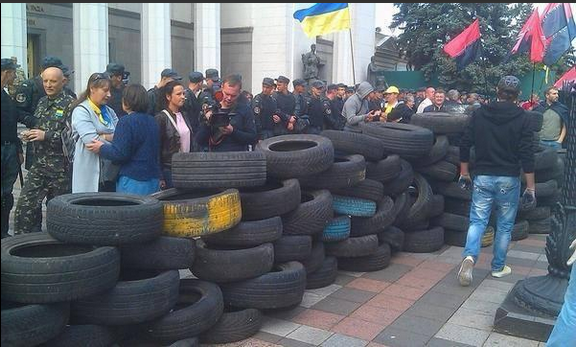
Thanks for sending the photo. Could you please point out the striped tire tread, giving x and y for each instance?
(353, 206)
(402, 206)
(541, 226)
(452, 190)
(353, 247)
(457, 206)
(420, 210)
(437, 206)
(383, 218)
(164, 253)
(263, 202)
(346, 171)
(337, 230)
(84, 336)
(437, 153)
(394, 237)
(234, 327)
(376, 261)
(356, 143)
(292, 248)
(424, 240)
(312, 215)
(440, 171)
(401, 182)
(441, 123)
(401, 139)
(367, 189)
(384, 170)
(247, 234)
(317, 256)
(324, 276)
(451, 221)
(540, 212)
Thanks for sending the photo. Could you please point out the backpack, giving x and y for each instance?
(69, 138)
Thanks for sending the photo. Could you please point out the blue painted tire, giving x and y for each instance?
(355, 207)
(337, 230)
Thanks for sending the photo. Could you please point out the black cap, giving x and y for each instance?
(170, 73)
(283, 79)
(212, 74)
(299, 82)
(196, 77)
(66, 70)
(8, 64)
(318, 84)
(115, 69)
(350, 89)
(341, 85)
(51, 61)
(268, 82)
(332, 87)
(509, 83)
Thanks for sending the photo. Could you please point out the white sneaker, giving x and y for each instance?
(465, 272)
(505, 271)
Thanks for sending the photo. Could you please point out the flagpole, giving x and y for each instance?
(352, 49)
(533, 78)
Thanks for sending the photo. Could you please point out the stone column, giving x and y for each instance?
(156, 42)
(206, 36)
(342, 59)
(14, 33)
(90, 33)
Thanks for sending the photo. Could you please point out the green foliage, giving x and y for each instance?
(428, 26)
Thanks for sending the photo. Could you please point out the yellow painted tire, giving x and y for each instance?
(488, 238)
(195, 213)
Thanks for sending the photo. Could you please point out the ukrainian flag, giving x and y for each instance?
(324, 18)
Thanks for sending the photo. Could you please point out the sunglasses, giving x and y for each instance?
(100, 76)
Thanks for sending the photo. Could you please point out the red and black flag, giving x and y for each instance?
(559, 29)
(531, 38)
(465, 47)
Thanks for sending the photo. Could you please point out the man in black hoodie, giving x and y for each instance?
(502, 137)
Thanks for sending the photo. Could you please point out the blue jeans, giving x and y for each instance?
(128, 185)
(504, 193)
(564, 332)
(551, 144)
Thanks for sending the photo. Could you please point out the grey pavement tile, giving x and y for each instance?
(463, 334)
(310, 335)
(390, 274)
(439, 342)
(417, 324)
(396, 337)
(310, 299)
(340, 340)
(543, 258)
(288, 342)
(278, 327)
(496, 284)
(268, 337)
(453, 288)
(512, 278)
(541, 265)
(541, 237)
(285, 314)
(486, 308)
(430, 311)
(325, 291)
(502, 340)
(488, 295)
(343, 279)
(444, 299)
(522, 262)
(336, 306)
(353, 295)
(528, 248)
(355, 274)
(471, 318)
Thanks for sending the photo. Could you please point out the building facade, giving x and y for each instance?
(254, 40)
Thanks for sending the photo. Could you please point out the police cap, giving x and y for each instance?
(332, 87)
(268, 82)
(318, 84)
(8, 64)
(341, 85)
(283, 79)
(51, 61)
(115, 69)
(196, 77)
(170, 73)
(66, 71)
(299, 82)
(212, 74)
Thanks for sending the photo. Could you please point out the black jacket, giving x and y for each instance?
(558, 107)
(401, 112)
(502, 136)
(243, 135)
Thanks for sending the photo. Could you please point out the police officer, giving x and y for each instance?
(212, 86)
(67, 72)
(192, 104)
(11, 146)
(332, 96)
(286, 106)
(341, 96)
(301, 108)
(265, 110)
(49, 175)
(166, 76)
(116, 72)
(20, 78)
(320, 111)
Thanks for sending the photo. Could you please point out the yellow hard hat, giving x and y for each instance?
(392, 89)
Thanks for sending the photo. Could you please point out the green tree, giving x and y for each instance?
(428, 26)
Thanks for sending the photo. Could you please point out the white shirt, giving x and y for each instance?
(423, 105)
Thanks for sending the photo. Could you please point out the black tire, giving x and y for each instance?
(139, 296)
(312, 216)
(368, 189)
(541, 226)
(441, 171)
(376, 261)
(199, 212)
(545, 159)
(324, 276)
(455, 237)
(232, 265)
(402, 181)
(282, 287)
(186, 342)
(121, 219)
(546, 189)
(394, 237)
(346, 171)
(30, 325)
(452, 190)
(451, 221)
(84, 336)
(234, 326)
(520, 230)
(314, 262)
(540, 212)
(420, 210)
(237, 169)
(457, 206)
(437, 206)
(402, 139)
(203, 307)
(36, 268)
(402, 206)
(337, 230)
(411, 226)
(353, 206)
(453, 155)
(384, 170)
(441, 123)
(353, 247)
(424, 240)
(355, 143)
(247, 234)
(263, 202)
(294, 156)
(437, 153)
(292, 248)
(164, 253)
(383, 218)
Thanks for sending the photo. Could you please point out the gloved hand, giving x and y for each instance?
(528, 200)
(465, 182)
(572, 259)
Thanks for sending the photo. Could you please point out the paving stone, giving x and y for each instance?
(286, 314)
(512, 278)
(343, 279)
(396, 337)
(417, 324)
(355, 274)
(502, 340)
(405, 292)
(390, 274)
(390, 302)
(529, 248)
(336, 306)
(489, 295)
(417, 282)
(537, 272)
(376, 315)
(446, 300)
(325, 291)
(278, 327)
(310, 335)
(405, 259)
(317, 318)
(353, 295)
(541, 265)
(486, 308)
(439, 342)
(453, 288)
(430, 311)
(368, 285)
(358, 328)
(268, 337)
(463, 334)
(496, 284)
(253, 342)
(340, 340)
(470, 318)
(289, 342)
(310, 299)
(436, 265)
(513, 261)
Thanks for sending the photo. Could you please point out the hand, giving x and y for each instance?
(276, 118)
(25, 135)
(377, 112)
(528, 199)
(369, 117)
(162, 184)
(290, 126)
(227, 129)
(95, 146)
(36, 135)
(208, 114)
(292, 119)
(572, 259)
(465, 182)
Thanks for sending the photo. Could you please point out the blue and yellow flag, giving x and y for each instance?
(324, 18)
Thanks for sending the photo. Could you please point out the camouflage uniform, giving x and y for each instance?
(49, 175)
(19, 80)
